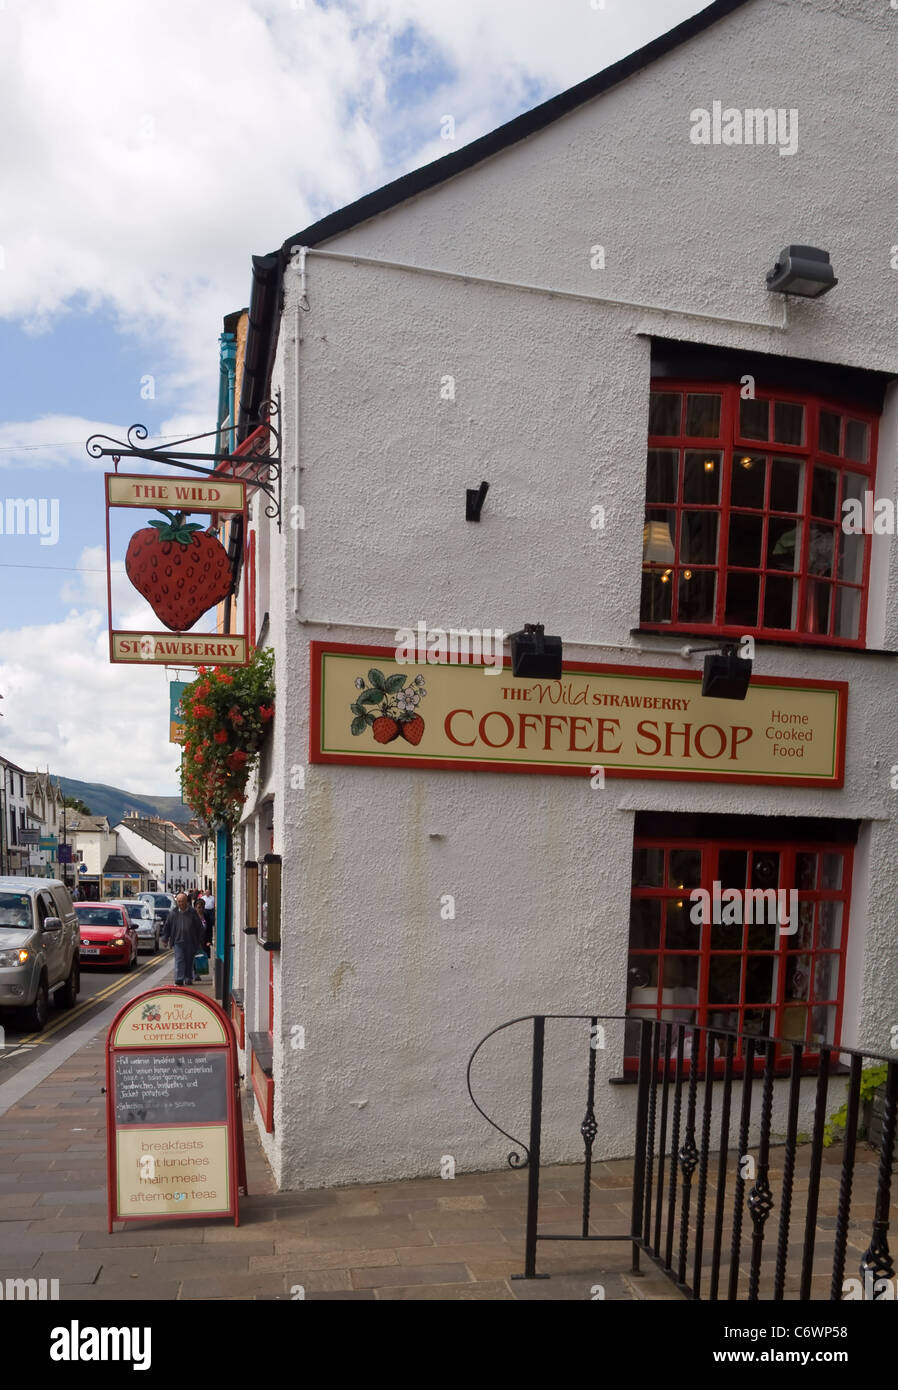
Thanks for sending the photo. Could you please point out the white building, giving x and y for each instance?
(170, 856)
(539, 310)
(14, 857)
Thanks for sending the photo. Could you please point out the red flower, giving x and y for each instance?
(221, 736)
(237, 760)
(225, 678)
(266, 711)
(199, 757)
(203, 711)
(234, 715)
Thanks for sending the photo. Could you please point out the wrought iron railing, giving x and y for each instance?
(700, 1204)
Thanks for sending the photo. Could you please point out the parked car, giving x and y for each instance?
(160, 904)
(145, 921)
(108, 936)
(38, 948)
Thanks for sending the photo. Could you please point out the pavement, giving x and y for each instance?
(460, 1239)
(423, 1239)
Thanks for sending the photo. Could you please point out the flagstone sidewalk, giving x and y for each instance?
(424, 1239)
(427, 1238)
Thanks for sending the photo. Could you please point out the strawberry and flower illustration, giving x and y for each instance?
(398, 698)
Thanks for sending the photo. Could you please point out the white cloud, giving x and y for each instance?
(158, 144)
(67, 708)
(155, 146)
(58, 441)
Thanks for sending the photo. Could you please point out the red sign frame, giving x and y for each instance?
(166, 635)
(235, 1142)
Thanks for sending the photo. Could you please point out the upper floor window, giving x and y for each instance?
(744, 501)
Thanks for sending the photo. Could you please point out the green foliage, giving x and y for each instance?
(871, 1079)
(74, 803)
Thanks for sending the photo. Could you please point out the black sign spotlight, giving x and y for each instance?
(725, 674)
(535, 654)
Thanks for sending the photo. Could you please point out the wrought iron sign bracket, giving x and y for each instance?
(258, 469)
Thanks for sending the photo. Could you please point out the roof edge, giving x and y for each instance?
(511, 133)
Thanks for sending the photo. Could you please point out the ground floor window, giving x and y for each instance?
(745, 932)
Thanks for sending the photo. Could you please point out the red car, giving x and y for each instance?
(108, 937)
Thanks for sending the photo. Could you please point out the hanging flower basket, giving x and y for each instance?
(226, 714)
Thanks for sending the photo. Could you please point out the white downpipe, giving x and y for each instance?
(364, 623)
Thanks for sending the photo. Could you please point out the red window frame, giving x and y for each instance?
(730, 443)
(786, 947)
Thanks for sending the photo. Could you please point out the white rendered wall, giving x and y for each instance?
(551, 407)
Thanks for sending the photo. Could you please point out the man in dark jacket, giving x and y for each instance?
(184, 930)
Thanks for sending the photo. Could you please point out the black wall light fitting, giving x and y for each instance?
(534, 654)
(474, 500)
(802, 270)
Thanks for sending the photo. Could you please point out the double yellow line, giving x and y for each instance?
(69, 1015)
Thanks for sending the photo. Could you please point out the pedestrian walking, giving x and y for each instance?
(209, 916)
(184, 930)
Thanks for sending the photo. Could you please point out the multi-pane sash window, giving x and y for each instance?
(729, 965)
(743, 514)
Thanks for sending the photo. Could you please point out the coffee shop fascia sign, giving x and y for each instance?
(616, 721)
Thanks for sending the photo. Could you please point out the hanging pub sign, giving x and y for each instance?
(368, 708)
(179, 566)
(173, 1122)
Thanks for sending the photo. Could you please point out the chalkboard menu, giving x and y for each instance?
(162, 1088)
(173, 1121)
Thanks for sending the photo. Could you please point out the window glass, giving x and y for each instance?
(788, 422)
(830, 426)
(783, 543)
(754, 419)
(701, 476)
(648, 867)
(697, 596)
(742, 594)
(856, 433)
(703, 416)
(15, 910)
(824, 492)
(665, 409)
(749, 479)
(661, 475)
(785, 484)
(745, 539)
(698, 538)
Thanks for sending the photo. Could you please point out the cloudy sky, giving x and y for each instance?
(150, 147)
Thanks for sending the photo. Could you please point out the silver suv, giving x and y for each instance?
(38, 948)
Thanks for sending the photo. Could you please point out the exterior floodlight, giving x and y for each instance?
(802, 270)
(535, 654)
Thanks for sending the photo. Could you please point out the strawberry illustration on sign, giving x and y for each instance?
(181, 570)
(398, 707)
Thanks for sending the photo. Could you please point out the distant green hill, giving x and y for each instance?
(112, 802)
